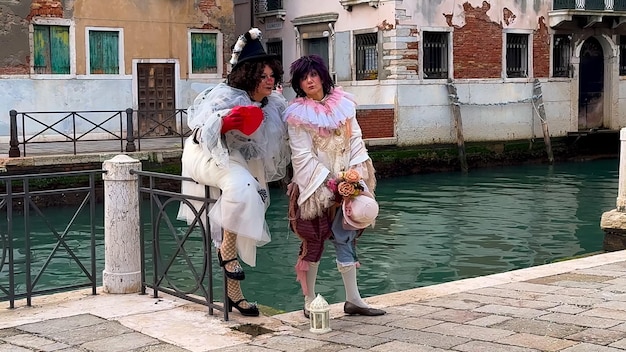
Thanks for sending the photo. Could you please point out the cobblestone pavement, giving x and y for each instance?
(573, 306)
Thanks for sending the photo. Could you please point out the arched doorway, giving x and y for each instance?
(591, 85)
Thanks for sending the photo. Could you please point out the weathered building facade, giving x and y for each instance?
(398, 58)
(85, 55)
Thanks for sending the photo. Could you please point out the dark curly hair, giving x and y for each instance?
(303, 66)
(247, 75)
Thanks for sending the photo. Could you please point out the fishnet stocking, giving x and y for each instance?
(234, 292)
(228, 250)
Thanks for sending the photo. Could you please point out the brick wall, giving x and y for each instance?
(477, 45)
(46, 8)
(541, 50)
(377, 123)
(15, 70)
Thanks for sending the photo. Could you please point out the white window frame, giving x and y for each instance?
(529, 54)
(379, 62)
(219, 52)
(72, 45)
(120, 43)
(449, 31)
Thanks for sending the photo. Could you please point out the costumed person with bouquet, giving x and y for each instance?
(331, 196)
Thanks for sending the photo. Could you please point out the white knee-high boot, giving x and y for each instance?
(311, 278)
(348, 274)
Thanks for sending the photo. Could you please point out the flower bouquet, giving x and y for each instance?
(347, 184)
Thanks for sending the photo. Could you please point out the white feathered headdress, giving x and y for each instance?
(248, 46)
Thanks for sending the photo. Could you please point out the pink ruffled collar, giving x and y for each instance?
(326, 115)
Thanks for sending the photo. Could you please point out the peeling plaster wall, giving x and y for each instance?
(15, 53)
(521, 14)
(152, 28)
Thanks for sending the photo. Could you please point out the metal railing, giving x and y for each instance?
(82, 127)
(25, 263)
(596, 5)
(171, 252)
(262, 6)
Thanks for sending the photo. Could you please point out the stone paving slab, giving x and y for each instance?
(574, 306)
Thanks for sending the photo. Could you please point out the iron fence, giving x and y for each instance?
(93, 131)
(29, 268)
(181, 260)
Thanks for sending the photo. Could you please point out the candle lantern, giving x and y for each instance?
(319, 315)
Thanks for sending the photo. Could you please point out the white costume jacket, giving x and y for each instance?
(239, 166)
(325, 139)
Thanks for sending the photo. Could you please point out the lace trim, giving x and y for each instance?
(315, 205)
(323, 116)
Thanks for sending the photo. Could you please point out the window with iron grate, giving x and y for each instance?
(622, 55)
(516, 55)
(366, 54)
(435, 47)
(275, 48)
(561, 55)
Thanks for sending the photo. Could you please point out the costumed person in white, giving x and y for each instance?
(332, 192)
(238, 145)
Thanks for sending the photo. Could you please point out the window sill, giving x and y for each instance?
(206, 75)
(103, 76)
(52, 76)
(347, 4)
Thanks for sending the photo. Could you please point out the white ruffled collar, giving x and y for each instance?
(325, 115)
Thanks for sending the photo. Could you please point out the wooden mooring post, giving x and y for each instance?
(541, 111)
(458, 124)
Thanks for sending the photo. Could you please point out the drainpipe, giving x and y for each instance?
(331, 52)
(298, 43)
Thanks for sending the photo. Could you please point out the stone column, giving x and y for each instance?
(122, 260)
(613, 222)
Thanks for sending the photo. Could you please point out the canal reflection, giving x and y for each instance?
(437, 228)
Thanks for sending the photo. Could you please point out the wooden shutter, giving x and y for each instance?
(104, 52)
(60, 49)
(41, 49)
(203, 53)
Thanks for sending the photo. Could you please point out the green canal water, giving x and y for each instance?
(431, 229)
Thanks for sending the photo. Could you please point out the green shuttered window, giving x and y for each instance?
(51, 46)
(203, 53)
(104, 56)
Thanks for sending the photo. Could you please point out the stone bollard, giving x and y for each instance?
(613, 222)
(122, 260)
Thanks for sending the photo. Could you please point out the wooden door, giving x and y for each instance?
(156, 100)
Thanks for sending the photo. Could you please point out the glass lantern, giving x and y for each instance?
(319, 315)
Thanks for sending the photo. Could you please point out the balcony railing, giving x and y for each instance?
(269, 8)
(263, 6)
(590, 5)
